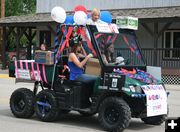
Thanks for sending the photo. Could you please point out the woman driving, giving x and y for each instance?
(76, 66)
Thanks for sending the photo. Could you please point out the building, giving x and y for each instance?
(158, 34)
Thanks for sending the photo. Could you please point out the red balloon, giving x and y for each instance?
(80, 8)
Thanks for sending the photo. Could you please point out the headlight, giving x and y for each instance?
(132, 88)
(136, 89)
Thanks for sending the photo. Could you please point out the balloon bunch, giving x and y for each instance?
(80, 16)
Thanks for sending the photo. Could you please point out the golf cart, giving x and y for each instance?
(123, 90)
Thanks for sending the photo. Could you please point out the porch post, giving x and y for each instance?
(155, 43)
(29, 45)
(17, 42)
(4, 60)
(30, 36)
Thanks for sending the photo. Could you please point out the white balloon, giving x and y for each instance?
(80, 18)
(58, 14)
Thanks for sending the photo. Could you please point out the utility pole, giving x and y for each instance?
(2, 8)
(2, 48)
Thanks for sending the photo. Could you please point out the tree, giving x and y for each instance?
(16, 8)
(19, 7)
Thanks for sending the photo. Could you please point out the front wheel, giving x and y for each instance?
(114, 114)
(154, 120)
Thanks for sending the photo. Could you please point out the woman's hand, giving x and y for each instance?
(90, 55)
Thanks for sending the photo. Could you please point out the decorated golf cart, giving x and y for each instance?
(123, 90)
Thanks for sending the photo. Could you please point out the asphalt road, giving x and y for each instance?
(72, 122)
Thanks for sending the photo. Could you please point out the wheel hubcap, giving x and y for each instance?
(19, 104)
(44, 106)
(111, 115)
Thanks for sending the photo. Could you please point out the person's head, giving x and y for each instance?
(110, 48)
(109, 52)
(76, 47)
(43, 47)
(95, 14)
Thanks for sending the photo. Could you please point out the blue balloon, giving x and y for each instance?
(89, 15)
(69, 20)
(106, 16)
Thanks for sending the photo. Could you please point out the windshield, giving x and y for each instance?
(119, 49)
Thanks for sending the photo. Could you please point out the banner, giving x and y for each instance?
(156, 99)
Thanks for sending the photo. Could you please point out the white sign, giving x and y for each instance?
(126, 22)
(27, 74)
(113, 27)
(23, 74)
(114, 82)
(107, 28)
(35, 76)
(156, 99)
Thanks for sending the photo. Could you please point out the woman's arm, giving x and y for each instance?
(83, 54)
(74, 59)
(104, 59)
(83, 51)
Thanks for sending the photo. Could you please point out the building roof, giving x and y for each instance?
(26, 19)
(144, 14)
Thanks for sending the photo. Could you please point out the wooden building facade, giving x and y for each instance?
(158, 33)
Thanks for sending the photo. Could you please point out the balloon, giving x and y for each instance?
(89, 15)
(80, 18)
(58, 14)
(69, 20)
(106, 16)
(80, 8)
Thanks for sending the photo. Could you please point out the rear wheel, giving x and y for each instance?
(155, 120)
(21, 103)
(46, 106)
(114, 114)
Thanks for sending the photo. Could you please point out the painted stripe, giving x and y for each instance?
(32, 66)
(16, 69)
(38, 71)
(44, 73)
(21, 64)
(5, 76)
(26, 65)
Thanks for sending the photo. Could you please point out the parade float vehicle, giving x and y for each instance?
(123, 90)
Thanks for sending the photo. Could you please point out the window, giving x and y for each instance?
(119, 49)
(171, 44)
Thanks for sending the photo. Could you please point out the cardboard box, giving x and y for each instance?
(126, 22)
(93, 67)
(44, 57)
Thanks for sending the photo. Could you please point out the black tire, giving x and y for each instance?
(46, 106)
(22, 103)
(114, 114)
(154, 120)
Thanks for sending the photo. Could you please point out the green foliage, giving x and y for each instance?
(16, 8)
(19, 7)
(11, 43)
